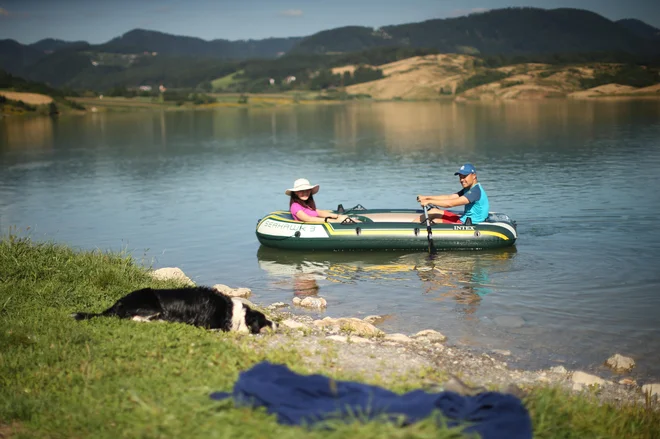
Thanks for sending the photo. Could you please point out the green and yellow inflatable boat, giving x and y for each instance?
(384, 229)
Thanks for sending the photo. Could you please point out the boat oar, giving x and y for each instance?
(428, 229)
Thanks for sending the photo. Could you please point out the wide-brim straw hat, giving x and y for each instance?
(302, 184)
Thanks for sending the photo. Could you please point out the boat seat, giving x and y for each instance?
(392, 217)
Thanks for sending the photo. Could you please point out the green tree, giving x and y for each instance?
(324, 79)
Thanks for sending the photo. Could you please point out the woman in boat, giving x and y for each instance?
(303, 206)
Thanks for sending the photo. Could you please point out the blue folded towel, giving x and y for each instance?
(307, 399)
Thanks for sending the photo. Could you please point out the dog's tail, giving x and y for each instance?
(84, 315)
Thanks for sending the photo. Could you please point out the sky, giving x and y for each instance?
(97, 21)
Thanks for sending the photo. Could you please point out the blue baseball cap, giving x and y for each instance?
(466, 169)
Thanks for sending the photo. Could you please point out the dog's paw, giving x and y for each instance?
(145, 318)
(140, 319)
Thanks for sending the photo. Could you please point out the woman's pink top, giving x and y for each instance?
(296, 207)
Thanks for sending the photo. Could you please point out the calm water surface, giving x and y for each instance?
(186, 189)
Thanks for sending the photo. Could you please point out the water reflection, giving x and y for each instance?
(337, 267)
(27, 133)
(406, 126)
(305, 285)
(416, 126)
(462, 277)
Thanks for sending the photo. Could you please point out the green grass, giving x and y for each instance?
(112, 378)
(226, 81)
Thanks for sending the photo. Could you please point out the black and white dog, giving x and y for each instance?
(198, 306)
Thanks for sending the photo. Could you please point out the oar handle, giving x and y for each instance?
(428, 228)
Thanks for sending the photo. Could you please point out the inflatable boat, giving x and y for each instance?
(384, 229)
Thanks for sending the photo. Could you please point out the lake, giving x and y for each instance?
(186, 189)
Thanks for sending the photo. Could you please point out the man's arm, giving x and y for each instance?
(447, 202)
(436, 199)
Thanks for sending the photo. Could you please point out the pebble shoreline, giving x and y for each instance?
(357, 345)
(391, 355)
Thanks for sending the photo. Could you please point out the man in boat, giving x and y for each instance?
(472, 196)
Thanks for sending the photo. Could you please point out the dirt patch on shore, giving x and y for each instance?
(28, 98)
(10, 430)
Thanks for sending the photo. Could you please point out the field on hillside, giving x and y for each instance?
(226, 81)
(449, 76)
(28, 98)
(417, 78)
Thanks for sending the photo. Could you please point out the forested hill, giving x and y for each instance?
(511, 31)
(14, 56)
(22, 59)
(140, 40)
(49, 45)
(641, 29)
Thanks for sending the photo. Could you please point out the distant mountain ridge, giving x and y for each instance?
(511, 31)
(50, 45)
(146, 56)
(141, 40)
(17, 58)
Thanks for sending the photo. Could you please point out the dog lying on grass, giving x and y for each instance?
(198, 306)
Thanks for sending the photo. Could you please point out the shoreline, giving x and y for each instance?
(390, 355)
(269, 101)
(360, 346)
(227, 101)
(119, 378)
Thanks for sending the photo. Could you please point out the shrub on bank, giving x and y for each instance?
(485, 77)
(507, 84)
(632, 75)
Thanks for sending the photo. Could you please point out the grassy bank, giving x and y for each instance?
(111, 378)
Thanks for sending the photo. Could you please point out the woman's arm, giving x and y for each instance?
(323, 215)
(332, 217)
